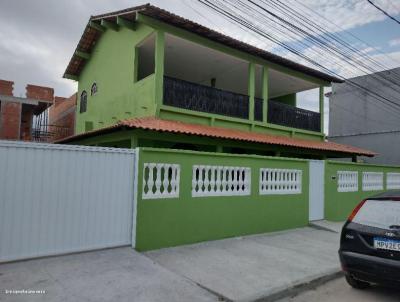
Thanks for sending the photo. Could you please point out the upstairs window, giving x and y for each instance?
(93, 90)
(83, 102)
(145, 58)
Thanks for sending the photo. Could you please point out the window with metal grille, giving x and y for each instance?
(93, 90)
(83, 102)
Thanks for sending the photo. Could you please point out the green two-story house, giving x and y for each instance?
(150, 78)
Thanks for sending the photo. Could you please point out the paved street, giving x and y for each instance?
(338, 290)
(253, 267)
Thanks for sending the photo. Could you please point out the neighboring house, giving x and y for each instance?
(176, 84)
(19, 114)
(62, 117)
(37, 117)
(359, 119)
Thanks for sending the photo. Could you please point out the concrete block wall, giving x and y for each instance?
(339, 205)
(185, 218)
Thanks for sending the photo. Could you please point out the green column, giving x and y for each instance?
(159, 68)
(265, 80)
(321, 106)
(251, 90)
(134, 142)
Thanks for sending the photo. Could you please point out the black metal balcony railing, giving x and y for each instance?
(187, 95)
(289, 116)
(258, 109)
(49, 133)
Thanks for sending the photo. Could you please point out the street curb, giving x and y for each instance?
(296, 288)
(322, 228)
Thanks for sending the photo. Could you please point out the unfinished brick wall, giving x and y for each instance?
(62, 116)
(17, 118)
(10, 115)
(39, 92)
(26, 125)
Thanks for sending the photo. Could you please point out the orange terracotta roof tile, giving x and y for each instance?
(155, 124)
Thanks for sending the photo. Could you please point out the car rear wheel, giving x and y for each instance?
(358, 284)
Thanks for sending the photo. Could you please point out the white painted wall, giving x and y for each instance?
(57, 199)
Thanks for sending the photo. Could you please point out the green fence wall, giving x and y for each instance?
(176, 221)
(339, 205)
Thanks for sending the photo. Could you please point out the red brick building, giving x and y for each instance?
(62, 117)
(27, 118)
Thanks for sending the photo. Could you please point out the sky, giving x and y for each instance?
(37, 38)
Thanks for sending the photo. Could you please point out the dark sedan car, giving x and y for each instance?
(370, 242)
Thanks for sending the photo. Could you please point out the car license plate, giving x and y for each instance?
(386, 244)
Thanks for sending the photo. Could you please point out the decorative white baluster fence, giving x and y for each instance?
(220, 181)
(347, 181)
(160, 180)
(392, 181)
(280, 181)
(372, 181)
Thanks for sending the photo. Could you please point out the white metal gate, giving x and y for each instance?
(57, 199)
(317, 184)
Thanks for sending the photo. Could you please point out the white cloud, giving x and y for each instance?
(349, 14)
(37, 38)
(394, 42)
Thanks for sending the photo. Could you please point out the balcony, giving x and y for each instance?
(289, 116)
(191, 96)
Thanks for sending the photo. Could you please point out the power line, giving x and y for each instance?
(349, 33)
(347, 55)
(383, 11)
(334, 40)
(231, 15)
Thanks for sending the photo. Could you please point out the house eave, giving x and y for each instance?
(92, 34)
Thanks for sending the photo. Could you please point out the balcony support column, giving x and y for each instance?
(265, 80)
(251, 90)
(159, 69)
(321, 107)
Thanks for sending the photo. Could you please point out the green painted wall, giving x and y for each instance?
(339, 205)
(289, 99)
(111, 66)
(188, 116)
(176, 221)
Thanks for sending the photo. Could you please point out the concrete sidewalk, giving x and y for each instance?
(328, 225)
(252, 268)
(119, 274)
(256, 267)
